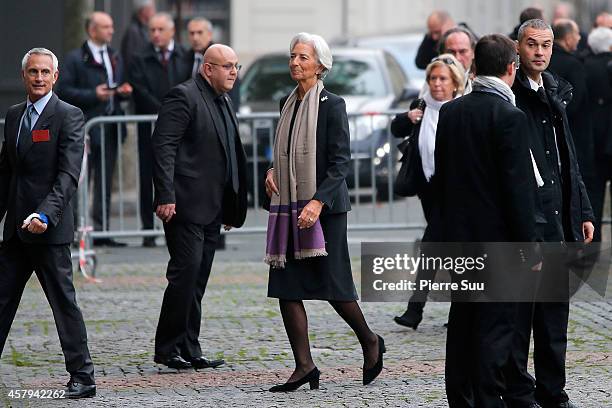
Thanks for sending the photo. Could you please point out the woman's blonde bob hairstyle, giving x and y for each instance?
(455, 67)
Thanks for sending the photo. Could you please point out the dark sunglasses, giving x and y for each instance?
(445, 60)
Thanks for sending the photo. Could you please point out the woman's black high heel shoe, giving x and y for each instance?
(312, 377)
(371, 373)
(410, 318)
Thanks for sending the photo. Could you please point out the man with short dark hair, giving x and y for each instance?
(563, 214)
(40, 163)
(488, 129)
(529, 13)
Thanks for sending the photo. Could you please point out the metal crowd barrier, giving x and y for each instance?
(374, 164)
(373, 167)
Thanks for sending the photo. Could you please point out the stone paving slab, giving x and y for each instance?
(244, 327)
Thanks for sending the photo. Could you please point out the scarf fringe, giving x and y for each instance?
(276, 261)
(310, 253)
(279, 261)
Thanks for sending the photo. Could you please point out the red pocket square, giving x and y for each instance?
(41, 135)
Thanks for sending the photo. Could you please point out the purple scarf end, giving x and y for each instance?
(279, 261)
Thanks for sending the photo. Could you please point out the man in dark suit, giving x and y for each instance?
(162, 65)
(136, 36)
(568, 66)
(563, 214)
(200, 33)
(438, 23)
(92, 79)
(483, 195)
(200, 183)
(40, 164)
(598, 67)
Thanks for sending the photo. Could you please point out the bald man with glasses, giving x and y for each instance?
(200, 183)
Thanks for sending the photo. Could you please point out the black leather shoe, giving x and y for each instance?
(312, 378)
(201, 362)
(176, 362)
(149, 242)
(371, 373)
(108, 242)
(77, 390)
(410, 318)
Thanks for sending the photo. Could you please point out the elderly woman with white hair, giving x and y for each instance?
(307, 246)
(598, 68)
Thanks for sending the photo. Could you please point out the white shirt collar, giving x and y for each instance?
(534, 85)
(40, 104)
(169, 49)
(95, 49)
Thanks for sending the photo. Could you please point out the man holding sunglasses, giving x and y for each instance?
(199, 174)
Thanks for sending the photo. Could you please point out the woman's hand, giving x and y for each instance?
(310, 214)
(270, 185)
(415, 115)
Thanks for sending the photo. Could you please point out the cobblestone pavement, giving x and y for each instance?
(244, 327)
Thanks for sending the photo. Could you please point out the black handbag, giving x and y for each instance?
(410, 178)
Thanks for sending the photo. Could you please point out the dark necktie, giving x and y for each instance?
(26, 126)
(542, 94)
(163, 59)
(197, 61)
(231, 143)
(110, 106)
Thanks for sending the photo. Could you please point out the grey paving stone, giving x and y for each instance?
(244, 327)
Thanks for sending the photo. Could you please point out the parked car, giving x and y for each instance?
(403, 47)
(370, 81)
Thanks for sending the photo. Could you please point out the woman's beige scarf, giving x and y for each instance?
(295, 175)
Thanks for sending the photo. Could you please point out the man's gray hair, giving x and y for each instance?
(470, 35)
(165, 15)
(140, 4)
(534, 23)
(39, 51)
(206, 22)
(442, 15)
(600, 40)
(320, 46)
